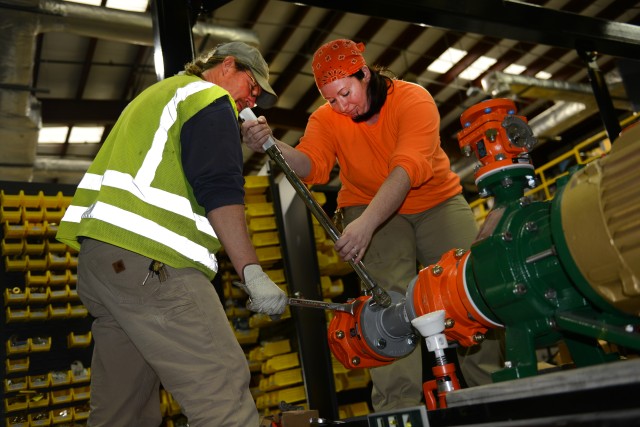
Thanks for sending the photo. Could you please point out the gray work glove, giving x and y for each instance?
(264, 295)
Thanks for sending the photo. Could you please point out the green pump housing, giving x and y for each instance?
(565, 269)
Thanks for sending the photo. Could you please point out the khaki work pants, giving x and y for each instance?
(173, 333)
(391, 259)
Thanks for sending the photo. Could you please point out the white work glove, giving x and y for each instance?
(264, 295)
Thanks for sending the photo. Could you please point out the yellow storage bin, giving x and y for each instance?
(60, 378)
(66, 201)
(58, 279)
(81, 412)
(17, 420)
(247, 336)
(265, 238)
(15, 384)
(58, 294)
(53, 201)
(73, 261)
(54, 247)
(289, 395)
(357, 378)
(254, 184)
(235, 312)
(10, 214)
(330, 264)
(281, 379)
(38, 294)
(73, 293)
(33, 214)
(274, 348)
(34, 248)
(39, 399)
(280, 363)
(38, 381)
(53, 215)
(18, 264)
(58, 262)
(36, 263)
(260, 320)
(31, 200)
(173, 407)
(253, 210)
(16, 403)
(72, 278)
(164, 402)
(14, 231)
(265, 223)
(62, 395)
(37, 344)
(78, 340)
(37, 279)
(357, 409)
(81, 376)
(40, 418)
(17, 365)
(38, 313)
(17, 346)
(78, 310)
(62, 415)
(331, 288)
(80, 393)
(320, 197)
(15, 314)
(12, 247)
(59, 311)
(15, 295)
(35, 229)
(50, 230)
(255, 198)
(269, 254)
(269, 349)
(233, 292)
(12, 200)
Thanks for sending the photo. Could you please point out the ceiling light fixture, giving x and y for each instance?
(478, 67)
(447, 60)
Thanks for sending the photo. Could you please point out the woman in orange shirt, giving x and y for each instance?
(400, 201)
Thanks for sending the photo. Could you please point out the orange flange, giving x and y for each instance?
(347, 343)
(441, 287)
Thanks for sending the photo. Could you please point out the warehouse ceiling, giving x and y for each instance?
(69, 68)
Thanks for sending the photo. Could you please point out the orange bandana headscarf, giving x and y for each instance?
(336, 60)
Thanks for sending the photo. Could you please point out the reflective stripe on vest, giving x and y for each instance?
(140, 187)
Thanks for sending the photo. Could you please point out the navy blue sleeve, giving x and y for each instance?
(212, 156)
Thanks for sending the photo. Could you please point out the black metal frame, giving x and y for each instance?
(303, 278)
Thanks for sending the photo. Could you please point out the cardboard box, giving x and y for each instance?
(298, 418)
(290, 419)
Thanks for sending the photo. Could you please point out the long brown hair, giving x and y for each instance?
(380, 85)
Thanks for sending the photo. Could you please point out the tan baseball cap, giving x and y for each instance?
(250, 56)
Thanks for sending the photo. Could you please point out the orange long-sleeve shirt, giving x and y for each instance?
(406, 135)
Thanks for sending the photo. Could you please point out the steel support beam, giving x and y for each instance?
(503, 19)
(173, 37)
